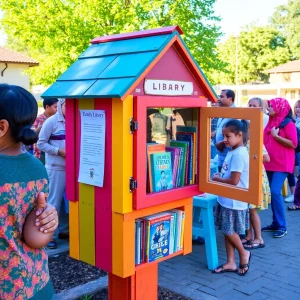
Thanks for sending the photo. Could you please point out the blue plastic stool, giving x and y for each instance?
(203, 226)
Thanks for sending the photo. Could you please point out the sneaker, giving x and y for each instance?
(52, 245)
(279, 233)
(289, 199)
(269, 228)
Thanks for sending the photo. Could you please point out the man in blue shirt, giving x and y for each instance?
(226, 100)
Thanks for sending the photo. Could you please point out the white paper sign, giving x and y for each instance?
(168, 87)
(92, 147)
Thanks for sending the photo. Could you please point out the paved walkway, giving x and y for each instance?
(274, 271)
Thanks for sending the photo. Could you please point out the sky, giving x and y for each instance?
(237, 13)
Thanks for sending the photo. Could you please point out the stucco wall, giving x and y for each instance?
(14, 75)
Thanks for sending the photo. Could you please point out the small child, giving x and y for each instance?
(24, 270)
(232, 216)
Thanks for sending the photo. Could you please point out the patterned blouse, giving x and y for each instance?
(23, 270)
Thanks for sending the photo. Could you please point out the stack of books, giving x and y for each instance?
(172, 166)
(158, 235)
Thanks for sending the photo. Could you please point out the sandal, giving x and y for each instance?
(223, 270)
(251, 246)
(245, 266)
(294, 207)
(246, 241)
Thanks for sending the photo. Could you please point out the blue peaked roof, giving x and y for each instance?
(109, 69)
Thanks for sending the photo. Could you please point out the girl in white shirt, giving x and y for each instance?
(232, 216)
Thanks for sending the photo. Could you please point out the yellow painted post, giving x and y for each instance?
(87, 210)
(122, 154)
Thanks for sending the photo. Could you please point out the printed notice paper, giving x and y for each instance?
(92, 147)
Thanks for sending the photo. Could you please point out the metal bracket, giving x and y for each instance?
(134, 125)
(132, 184)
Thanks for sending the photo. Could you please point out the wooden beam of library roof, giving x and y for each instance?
(112, 66)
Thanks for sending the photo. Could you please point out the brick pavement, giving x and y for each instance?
(274, 271)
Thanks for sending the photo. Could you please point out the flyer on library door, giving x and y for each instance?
(92, 147)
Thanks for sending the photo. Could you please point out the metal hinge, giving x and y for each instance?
(132, 184)
(134, 125)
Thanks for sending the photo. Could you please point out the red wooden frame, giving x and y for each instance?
(140, 197)
(71, 150)
(103, 196)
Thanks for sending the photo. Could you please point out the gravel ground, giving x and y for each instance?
(163, 294)
(67, 272)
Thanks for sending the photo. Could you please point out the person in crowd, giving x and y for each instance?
(232, 216)
(253, 239)
(258, 102)
(280, 142)
(214, 123)
(226, 100)
(52, 140)
(24, 270)
(291, 177)
(50, 108)
(296, 197)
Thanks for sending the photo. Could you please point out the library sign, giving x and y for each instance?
(168, 87)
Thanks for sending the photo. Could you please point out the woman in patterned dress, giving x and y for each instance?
(24, 270)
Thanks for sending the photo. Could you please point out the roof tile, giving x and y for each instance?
(10, 56)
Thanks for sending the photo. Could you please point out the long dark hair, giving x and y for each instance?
(19, 108)
(237, 126)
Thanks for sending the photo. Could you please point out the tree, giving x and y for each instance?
(56, 32)
(287, 19)
(259, 49)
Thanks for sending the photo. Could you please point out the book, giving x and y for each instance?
(182, 230)
(193, 130)
(138, 242)
(172, 233)
(177, 245)
(152, 148)
(183, 171)
(175, 155)
(189, 137)
(161, 171)
(158, 236)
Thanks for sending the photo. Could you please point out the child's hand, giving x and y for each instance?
(274, 131)
(216, 176)
(47, 218)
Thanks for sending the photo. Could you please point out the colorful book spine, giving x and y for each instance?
(179, 227)
(138, 242)
(172, 236)
(161, 169)
(189, 137)
(180, 167)
(175, 155)
(182, 230)
(184, 146)
(193, 130)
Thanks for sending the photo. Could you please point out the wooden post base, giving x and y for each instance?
(141, 286)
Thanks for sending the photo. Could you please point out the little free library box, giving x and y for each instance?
(150, 152)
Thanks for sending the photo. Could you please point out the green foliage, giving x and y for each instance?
(259, 49)
(287, 19)
(56, 32)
